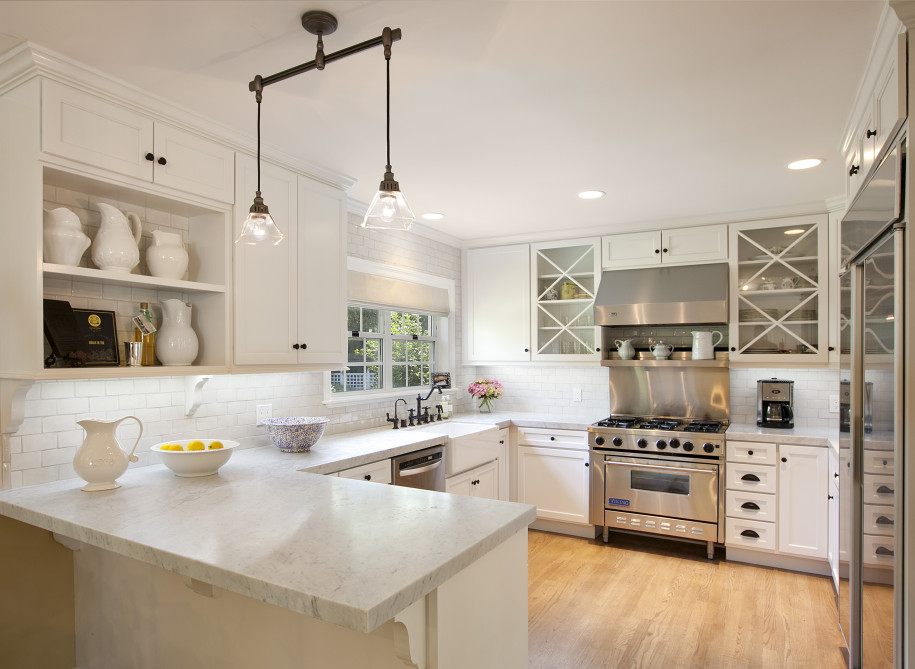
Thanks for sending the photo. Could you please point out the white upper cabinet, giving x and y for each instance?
(82, 127)
(290, 299)
(497, 304)
(706, 243)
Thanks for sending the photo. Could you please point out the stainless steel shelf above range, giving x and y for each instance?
(665, 363)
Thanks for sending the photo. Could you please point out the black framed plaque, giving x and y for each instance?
(65, 337)
(100, 330)
(442, 379)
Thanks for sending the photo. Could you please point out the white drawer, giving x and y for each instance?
(750, 505)
(751, 451)
(534, 436)
(878, 462)
(752, 478)
(750, 534)
(877, 550)
(376, 472)
(878, 489)
(877, 519)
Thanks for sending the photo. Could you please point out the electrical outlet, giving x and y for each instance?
(576, 394)
(833, 404)
(264, 411)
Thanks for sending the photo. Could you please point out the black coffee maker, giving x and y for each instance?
(775, 403)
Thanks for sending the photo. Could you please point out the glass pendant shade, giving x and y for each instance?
(259, 227)
(389, 211)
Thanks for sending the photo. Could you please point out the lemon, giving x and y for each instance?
(165, 447)
(195, 445)
(177, 447)
(215, 444)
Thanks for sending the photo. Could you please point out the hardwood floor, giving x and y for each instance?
(645, 602)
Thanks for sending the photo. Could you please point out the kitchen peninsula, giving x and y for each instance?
(267, 565)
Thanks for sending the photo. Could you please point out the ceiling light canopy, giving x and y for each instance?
(804, 164)
(433, 216)
(591, 194)
(388, 209)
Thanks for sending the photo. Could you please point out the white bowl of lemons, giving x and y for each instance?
(195, 457)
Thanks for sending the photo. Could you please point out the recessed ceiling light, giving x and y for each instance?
(591, 194)
(433, 216)
(804, 164)
(794, 231)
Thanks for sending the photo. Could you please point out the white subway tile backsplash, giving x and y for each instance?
(39, 442)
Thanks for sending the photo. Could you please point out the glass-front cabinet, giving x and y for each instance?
(564, 279)
(778, 291)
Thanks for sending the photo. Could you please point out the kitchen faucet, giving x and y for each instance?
(395, 420)
(419, 403)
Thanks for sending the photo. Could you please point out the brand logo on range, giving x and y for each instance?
(617, 501)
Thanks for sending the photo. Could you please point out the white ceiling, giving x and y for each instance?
(503, 111)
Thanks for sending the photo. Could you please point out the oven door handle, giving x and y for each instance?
(639, 465)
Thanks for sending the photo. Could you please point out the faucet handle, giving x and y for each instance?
(411, 411)
(391, 420)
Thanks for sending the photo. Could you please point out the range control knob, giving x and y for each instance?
(708, 448)
(642, 443)
(599, 441)
(687, 446)
(674, 443)
(617, 441)
(661, 444)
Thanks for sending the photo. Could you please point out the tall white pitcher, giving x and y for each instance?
(116, 246)
(703, 346)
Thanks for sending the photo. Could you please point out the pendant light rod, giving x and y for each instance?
(313, 65)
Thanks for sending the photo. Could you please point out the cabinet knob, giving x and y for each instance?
(587, 464)
(664, 250)
(749, 452)
(303, 346)
(784, 459)
(733, 348)
(832, 348)
(552, 438)
(295, 346)
(870, 133)
(161, 160)
(527, 350)
(150, 157)
(854, 170)
(368, 477)
(597, 350)
(829, 497)
(657, 250)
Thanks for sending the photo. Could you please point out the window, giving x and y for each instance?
(387, 350)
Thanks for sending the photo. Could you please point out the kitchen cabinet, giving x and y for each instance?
(554, 478)
(85, 128)
(564, 280)
(290, 299)
(779, 280)
(832, 533)
(497, 304)
(482, 481)
(706, 243)
(777, 501)
(30, 179)
(376, 472)
(803, 489)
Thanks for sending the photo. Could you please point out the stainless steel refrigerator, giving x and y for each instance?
(871, 594)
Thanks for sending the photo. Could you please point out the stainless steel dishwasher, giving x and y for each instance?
(423, 469)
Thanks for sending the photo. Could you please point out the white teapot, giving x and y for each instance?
(625, 348)
(661, 351)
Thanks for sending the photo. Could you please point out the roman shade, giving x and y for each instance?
(396, 294)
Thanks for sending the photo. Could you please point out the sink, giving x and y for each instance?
(469, 444)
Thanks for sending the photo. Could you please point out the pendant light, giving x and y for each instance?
(389, 210)
(259, 227)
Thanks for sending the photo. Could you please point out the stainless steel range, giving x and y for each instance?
(659, 475)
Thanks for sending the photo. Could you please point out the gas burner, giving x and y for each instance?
(659, 424)
(705, 426)
(625, 422)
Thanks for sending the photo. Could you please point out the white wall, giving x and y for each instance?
(42, 450)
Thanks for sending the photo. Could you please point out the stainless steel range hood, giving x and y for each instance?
(684, 295)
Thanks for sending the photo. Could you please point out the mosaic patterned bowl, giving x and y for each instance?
(295, 434)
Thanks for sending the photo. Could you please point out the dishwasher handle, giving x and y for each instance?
(416, 471)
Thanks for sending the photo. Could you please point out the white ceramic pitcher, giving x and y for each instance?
(166, 257)
(116, 246)
(64, 241)
(176, 341)
(703, 346)
(100, 460)
(625, 348)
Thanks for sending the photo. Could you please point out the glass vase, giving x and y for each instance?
(486, 405)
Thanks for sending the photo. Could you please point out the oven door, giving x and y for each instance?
(675, 488)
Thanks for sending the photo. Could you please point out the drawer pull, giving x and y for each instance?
(749, 452)
(754, 478)
(750, 533)
(883, 550)
(750, 505)
(883, 520)
(885, 490)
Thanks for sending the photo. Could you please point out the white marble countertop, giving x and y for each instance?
(802, 436)
(348, 552)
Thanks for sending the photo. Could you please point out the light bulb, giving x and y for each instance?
(388, 208)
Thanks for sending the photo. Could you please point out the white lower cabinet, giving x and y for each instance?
(777, 498)
(555, 479)
(482, 481)
(290, 300)
(832, 535)
(376, 472)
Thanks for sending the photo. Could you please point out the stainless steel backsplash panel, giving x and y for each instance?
(680, 392)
